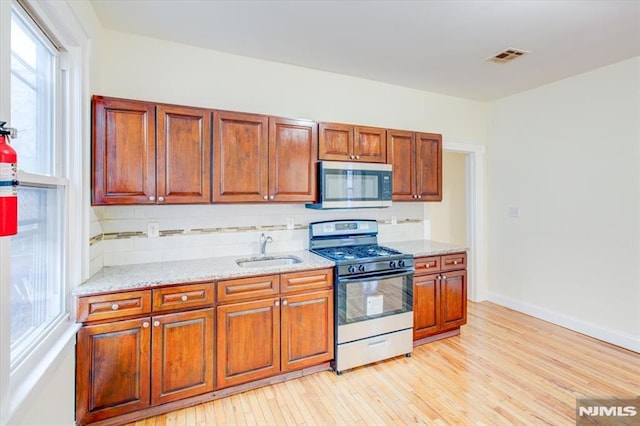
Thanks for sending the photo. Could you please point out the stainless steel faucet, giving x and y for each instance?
(263, 244)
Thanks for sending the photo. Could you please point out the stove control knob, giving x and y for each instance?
(392, 264)
(361, 268)
(401, 263)
(352, 269)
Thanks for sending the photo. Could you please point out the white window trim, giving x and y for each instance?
(61, 18)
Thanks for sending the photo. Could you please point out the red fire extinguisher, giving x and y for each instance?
(8, 184)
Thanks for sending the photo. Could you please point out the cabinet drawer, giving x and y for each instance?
(306, 280)
(116, 305)
(427, 265)
(184, 296)
(451, 262)
(248, 288)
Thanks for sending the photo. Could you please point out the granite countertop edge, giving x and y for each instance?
(149, 275)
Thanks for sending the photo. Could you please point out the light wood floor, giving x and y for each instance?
(505, 368)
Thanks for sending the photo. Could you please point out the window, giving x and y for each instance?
(38, 292)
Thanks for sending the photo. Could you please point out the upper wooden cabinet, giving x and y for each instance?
(263, 159)
(417, 165)
(145, 153)
(344, 142)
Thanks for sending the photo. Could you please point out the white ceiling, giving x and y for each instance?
(438, 46)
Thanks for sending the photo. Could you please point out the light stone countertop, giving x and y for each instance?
(420, 248)
(131, 277)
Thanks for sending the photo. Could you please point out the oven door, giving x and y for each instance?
(373, 304)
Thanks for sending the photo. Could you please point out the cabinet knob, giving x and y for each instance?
(427, 265)
(266, 197)
(184, 298)
(161, 199)
(152, 198)
(444, 277)
(455, 262)
(156, 323)
(357, 157)
(352, 157)
(277, 303)
(145, 324)
(115, 307)
(284, 302)
(271, 197)
(419, 196)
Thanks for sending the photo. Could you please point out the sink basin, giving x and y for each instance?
(256, 262)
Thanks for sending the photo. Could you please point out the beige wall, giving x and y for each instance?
(567, 155)
(449, 217)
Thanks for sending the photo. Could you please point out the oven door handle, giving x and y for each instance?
(369, 277)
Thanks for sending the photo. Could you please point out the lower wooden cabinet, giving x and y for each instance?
(439, 295)
(129, 365)
(288, 332)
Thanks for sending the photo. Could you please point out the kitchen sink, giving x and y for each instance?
(256, 262)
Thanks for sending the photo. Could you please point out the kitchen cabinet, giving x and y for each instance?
(439, 295)
(264, 159)
(345, 142)
(129, 364)
(273, 324)
(417, 165)
(146, 153)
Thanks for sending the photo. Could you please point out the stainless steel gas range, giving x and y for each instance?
(373, 294)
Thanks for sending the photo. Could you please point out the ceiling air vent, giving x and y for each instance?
(507, 55)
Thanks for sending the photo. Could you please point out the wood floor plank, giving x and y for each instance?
(504, 368)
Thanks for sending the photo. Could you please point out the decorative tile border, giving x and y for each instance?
(198, 231)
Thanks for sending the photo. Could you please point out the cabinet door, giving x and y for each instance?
(401, 155)
(453, 302)
(124, 152)
(240, 157)
(293, 152)
(183, 155)
(429, 166)
(426, 309)
(182, 349)
(112, 369)
(248, 341)
(335, 142)
(307, 329)
(370, 144)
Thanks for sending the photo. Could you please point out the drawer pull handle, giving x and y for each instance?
(145, 324)
(184, 298)
(115, 307)
(156, 323)
(378, 343)
(455, 262)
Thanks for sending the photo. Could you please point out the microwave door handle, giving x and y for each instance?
(369, 277)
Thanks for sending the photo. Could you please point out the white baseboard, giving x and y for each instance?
(593, 330)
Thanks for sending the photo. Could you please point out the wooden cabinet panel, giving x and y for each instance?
(307, 329)
(248, 341)
(370, 145)
(400, 154)
(182, 355)
(427, 265)
(293, 152)
(240, 153)
(454, 261)
(116, 305)
(124, 151)
(335, 141)
(453, 299)
(183, 155)
(426, 309)
(183, 297)
(306, 281)
(248, 288)
(112, 369)
(429, 166)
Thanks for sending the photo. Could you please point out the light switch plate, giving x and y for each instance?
(290, 223)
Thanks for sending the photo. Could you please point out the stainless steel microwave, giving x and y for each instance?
(345, 185)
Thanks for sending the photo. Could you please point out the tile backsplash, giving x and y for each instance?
(119, 233)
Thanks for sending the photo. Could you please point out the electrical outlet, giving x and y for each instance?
(153, 230)
(290, 223)
(514, 212)
(394, 220)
